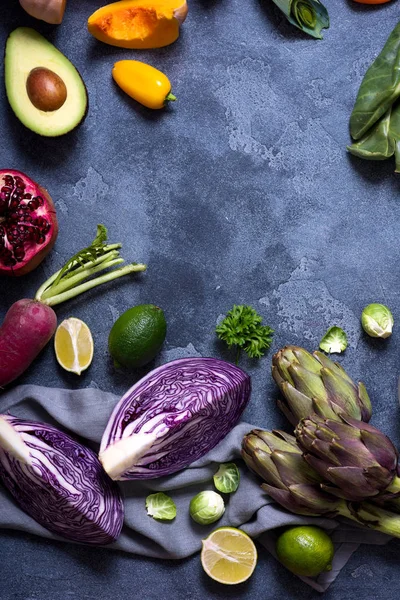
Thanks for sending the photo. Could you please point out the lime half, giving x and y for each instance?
(229, 555)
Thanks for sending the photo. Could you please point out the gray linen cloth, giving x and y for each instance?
(85, 412)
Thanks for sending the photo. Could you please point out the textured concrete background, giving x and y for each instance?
(241, 192)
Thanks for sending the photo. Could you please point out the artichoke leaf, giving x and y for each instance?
(379, 89)
(309, 16)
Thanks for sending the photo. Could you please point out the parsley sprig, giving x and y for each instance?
(242, 327)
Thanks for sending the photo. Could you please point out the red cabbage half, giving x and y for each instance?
(58, 482)
(172, 417)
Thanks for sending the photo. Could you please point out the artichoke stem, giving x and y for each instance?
(394, 487)
(373, 517)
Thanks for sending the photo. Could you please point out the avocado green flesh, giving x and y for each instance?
(25, 50)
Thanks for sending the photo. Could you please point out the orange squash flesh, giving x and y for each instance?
(138, 24)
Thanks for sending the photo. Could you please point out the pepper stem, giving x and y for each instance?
(170, 97)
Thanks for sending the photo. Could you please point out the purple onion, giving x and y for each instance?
(172, 417)
(58, 482)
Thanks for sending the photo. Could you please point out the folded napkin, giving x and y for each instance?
(85, 413)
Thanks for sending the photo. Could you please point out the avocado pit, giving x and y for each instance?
(46, 90)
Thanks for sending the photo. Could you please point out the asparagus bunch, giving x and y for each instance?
(337, 464)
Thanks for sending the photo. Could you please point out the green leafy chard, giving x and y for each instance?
(375, 120)
(310, 16)
(242, 327)
(383, 140)
(379, 89)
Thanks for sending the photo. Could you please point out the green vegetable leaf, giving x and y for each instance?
(227, 478)
(383, 140)
(376, 144)
(86, 255)
(310, 16)
(160, 507)
(379, 89)
(334, 341)
(242, 327)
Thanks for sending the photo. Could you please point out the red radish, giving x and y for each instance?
(26, 329)
(30, 324)
(28, 223)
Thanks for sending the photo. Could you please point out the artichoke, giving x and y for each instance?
(276, 457)
(291, 482)
(312, 383)
(358, 459)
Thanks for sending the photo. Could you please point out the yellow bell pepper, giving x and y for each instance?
(143, 83)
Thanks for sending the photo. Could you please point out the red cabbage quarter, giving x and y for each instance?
(58, 482)
(172, 417)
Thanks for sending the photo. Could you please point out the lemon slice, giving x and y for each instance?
(73, 344)
(229, 555)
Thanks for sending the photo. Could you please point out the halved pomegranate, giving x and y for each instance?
(28, 223)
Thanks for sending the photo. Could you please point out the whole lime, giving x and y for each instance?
(305, 550)
(137, 336)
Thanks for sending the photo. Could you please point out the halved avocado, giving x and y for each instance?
(43, 87)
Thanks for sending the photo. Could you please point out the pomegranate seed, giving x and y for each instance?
(19, 253)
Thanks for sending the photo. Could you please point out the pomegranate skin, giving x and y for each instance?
(34, 251)
(27, 327)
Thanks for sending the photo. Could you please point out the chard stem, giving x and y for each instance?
(45, 289)
(82, 274)
(84, 287)
(46, 285)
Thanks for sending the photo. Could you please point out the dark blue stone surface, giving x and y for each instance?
(241, 192)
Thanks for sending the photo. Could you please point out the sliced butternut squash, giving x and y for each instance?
(138, 23)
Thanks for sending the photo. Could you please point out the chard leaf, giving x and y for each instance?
(383, 140)
(379, 89)
(376, 144)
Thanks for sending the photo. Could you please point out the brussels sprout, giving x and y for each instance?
(226, 479)
(160, 507)
(334, 341)
(206, 507)
(377, 320)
